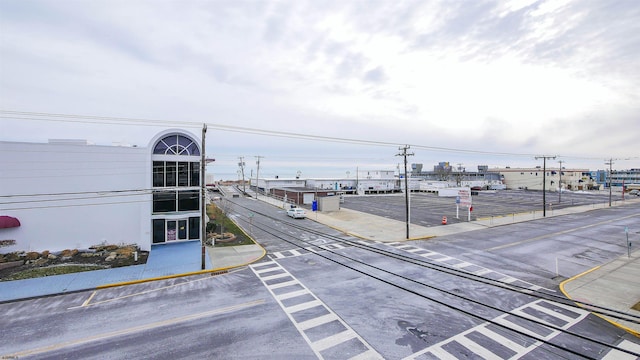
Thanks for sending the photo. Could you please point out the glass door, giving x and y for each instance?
(171, 230)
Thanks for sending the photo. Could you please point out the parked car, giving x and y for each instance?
(297, 213)
(634, 192)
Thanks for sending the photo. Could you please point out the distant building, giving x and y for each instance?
(531, 178)
(445, 173)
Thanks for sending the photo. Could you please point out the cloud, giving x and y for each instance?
(521, 76)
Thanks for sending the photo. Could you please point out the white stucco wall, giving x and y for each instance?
(74, 196)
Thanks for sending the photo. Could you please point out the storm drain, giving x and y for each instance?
(326, 333)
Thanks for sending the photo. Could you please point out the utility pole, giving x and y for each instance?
(241, 164)
(406, 182)
(203, 204)
(258, 173)
(560, 183)
(610, 163)
(544, 182)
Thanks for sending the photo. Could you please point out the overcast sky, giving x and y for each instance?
(506, 80)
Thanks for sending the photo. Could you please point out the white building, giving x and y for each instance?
(531, 178)
(71, 195)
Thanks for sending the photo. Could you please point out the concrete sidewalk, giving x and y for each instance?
(165, 261)
(615, 285)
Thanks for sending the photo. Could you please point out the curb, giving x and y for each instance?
(561, 286)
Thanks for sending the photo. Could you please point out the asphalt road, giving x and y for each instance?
(320, 293)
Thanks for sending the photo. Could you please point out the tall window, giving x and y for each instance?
(171, 201)
(176, 145)
(173, 173)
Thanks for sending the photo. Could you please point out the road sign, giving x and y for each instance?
(457, 199)
(465, 198)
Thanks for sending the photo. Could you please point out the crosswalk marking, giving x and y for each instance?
(307, 250)
(462, 265)
(334, 339)
(538, 331)
(291, 294)
(312, 306)
(308, 324)
(616, 354)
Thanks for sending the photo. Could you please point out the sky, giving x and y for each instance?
(297, 82)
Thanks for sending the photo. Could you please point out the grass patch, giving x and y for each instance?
(217, 215)
(52, 270)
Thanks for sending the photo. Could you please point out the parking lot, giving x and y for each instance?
(427, 209)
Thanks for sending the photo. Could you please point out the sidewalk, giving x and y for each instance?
(615, 285)
(165, 261)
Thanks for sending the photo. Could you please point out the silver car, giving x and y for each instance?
(297, 213)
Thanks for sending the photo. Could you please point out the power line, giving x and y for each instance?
(90, 119)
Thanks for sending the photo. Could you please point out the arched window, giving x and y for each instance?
(176, 145)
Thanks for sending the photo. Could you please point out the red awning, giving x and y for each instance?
(8, 222)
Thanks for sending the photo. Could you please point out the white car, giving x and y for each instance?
(297, 213)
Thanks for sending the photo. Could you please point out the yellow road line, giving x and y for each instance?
(562, 284)
(86, 303)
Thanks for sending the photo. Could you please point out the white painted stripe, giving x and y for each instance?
(519, 349)
(403, 246)
(283, 284)
(369, 354)
(445, 258)
(414, 250)
(318, 346)
(508, 280)
(308, 324)
(291, 294)
(440, 353)
(476, 348)
(510, 325)
(616, 354)
(295, 252)
(333, 340)
(481, 272)
(261, 271)
(278, 255)
(262, 265)
(431, 254)
(552, 313)
(276, 276)
(628, 345)
(462, 264)
(303, 306)
(311, 249)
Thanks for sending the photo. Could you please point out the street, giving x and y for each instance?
(319, 293)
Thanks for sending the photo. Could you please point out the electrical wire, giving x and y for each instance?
(92, 119)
